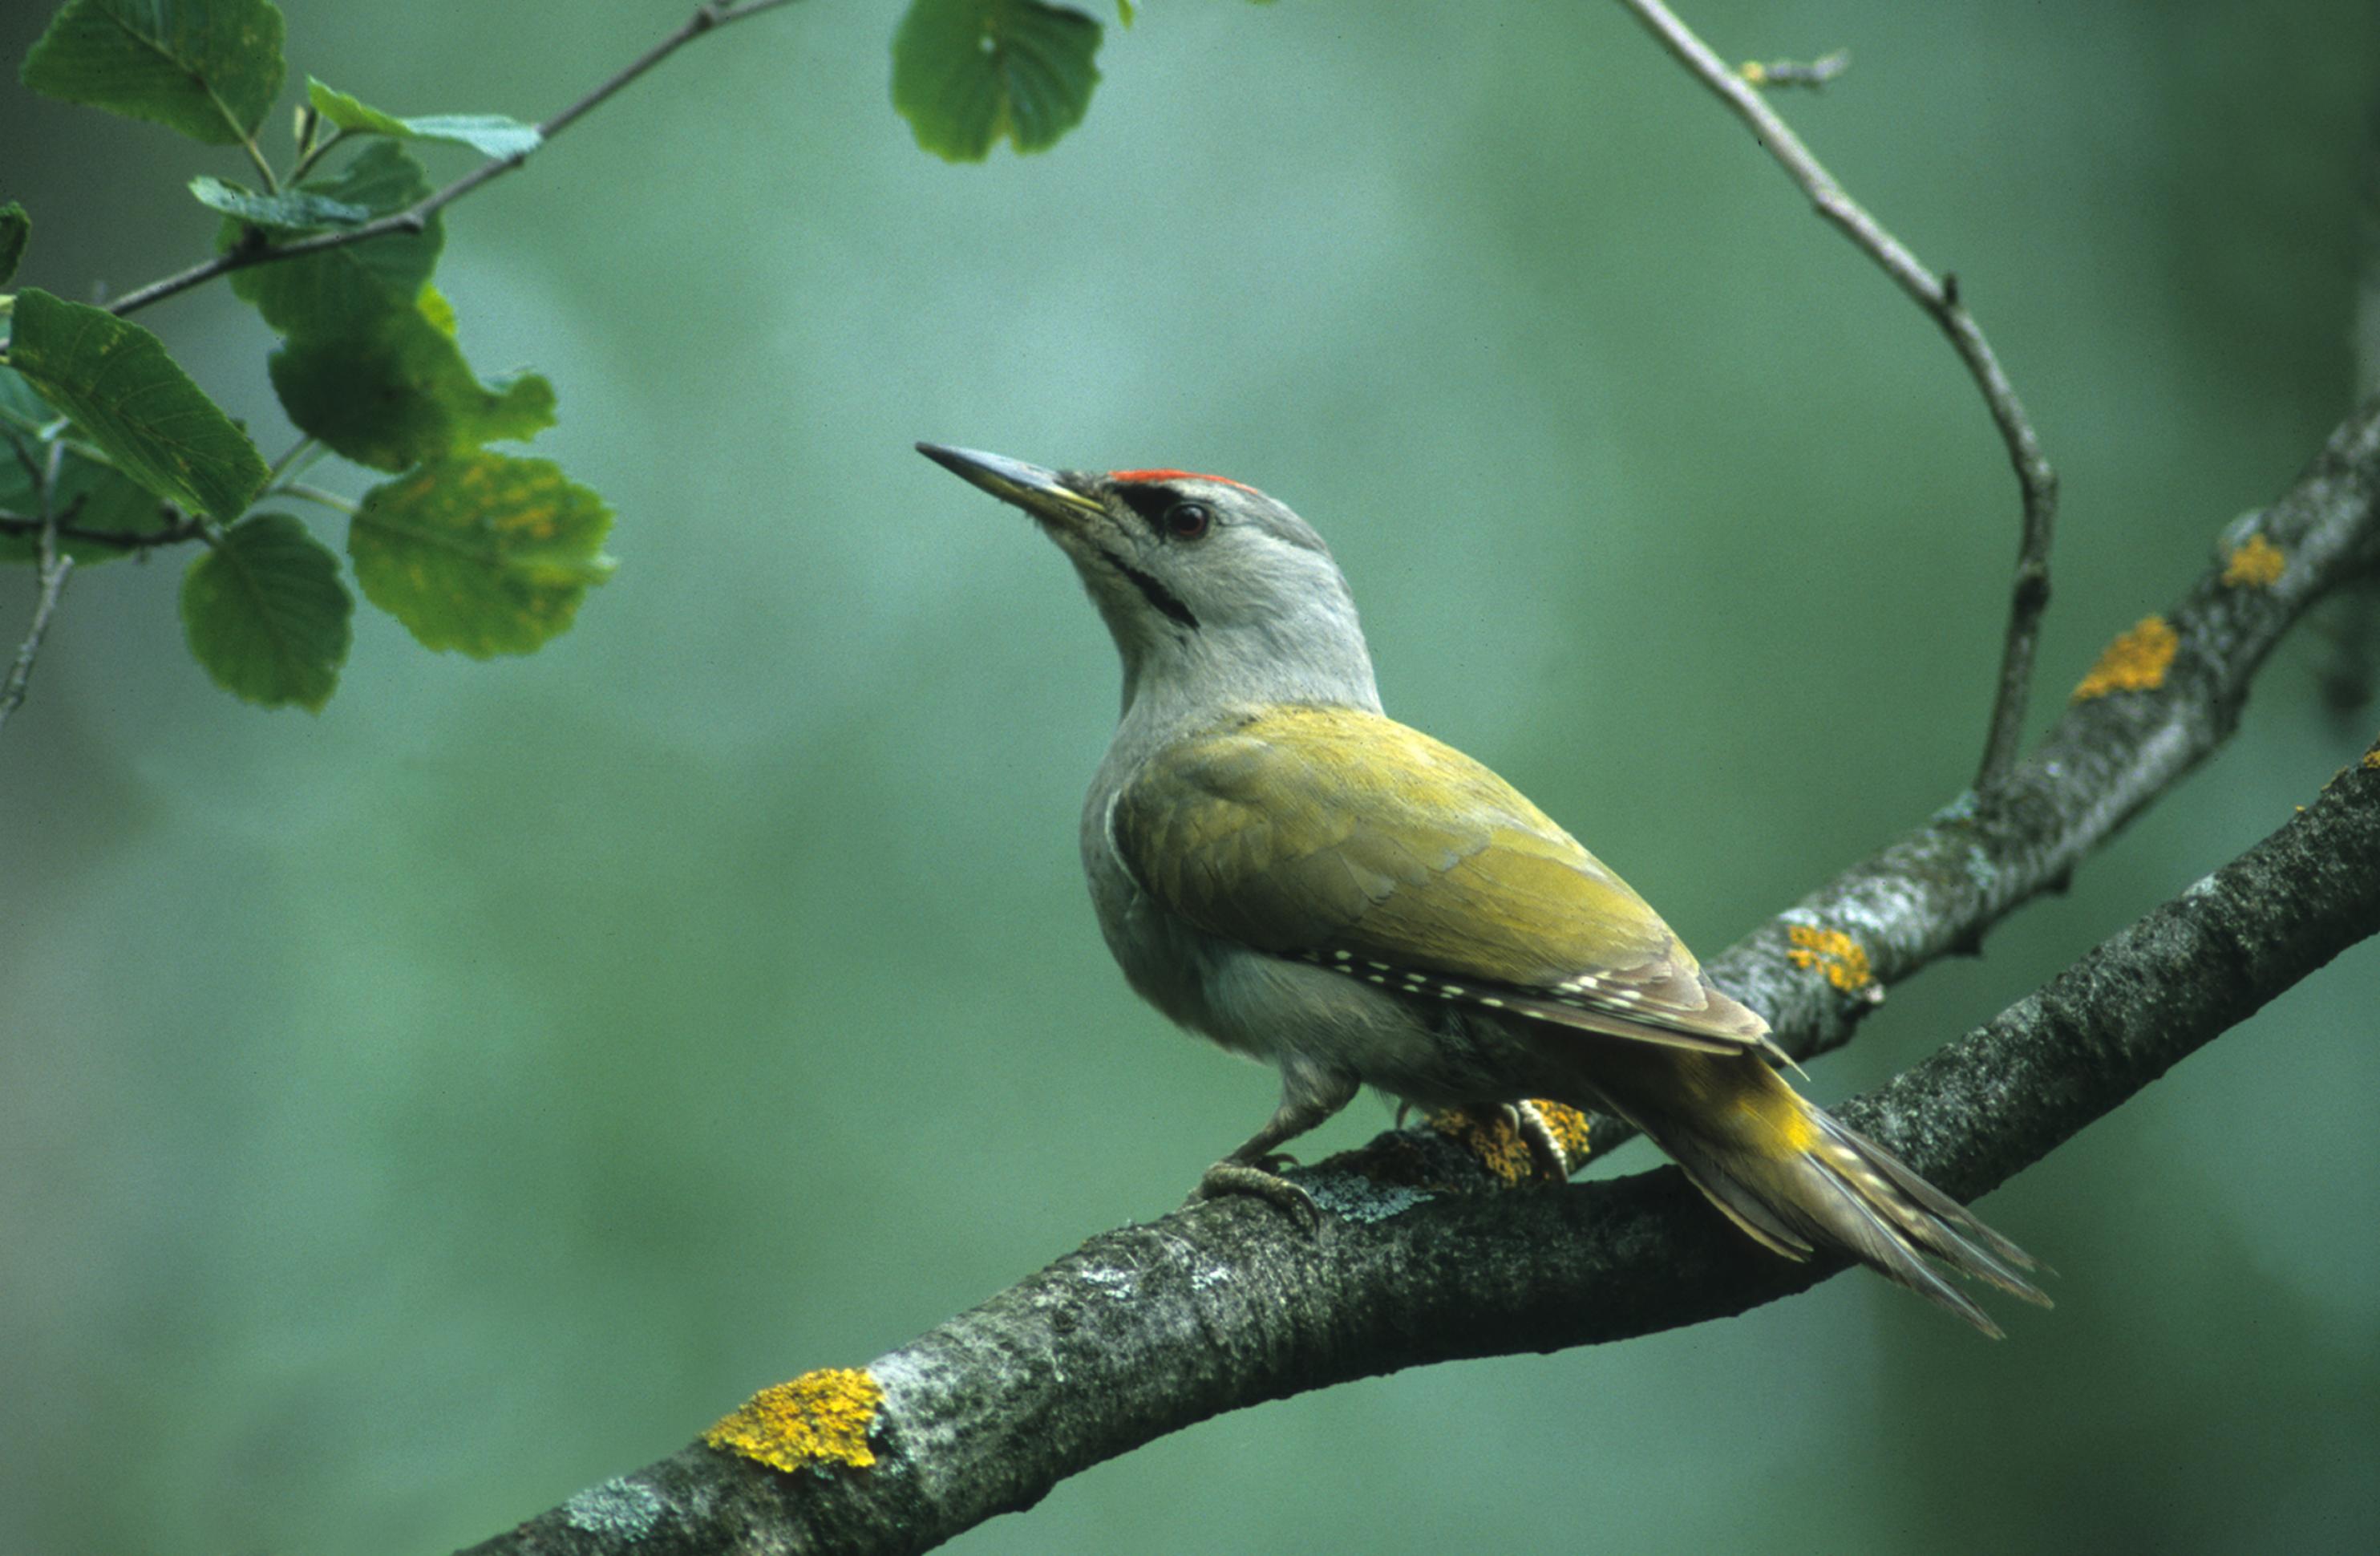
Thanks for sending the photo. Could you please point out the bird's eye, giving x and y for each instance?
(1188, 521)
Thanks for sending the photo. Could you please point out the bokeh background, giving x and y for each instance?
(413, 1113)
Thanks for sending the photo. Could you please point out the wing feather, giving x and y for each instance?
(1343, 838)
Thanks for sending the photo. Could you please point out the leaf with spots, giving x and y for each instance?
(116, 383)
(968, 73)
(487, 554)
(209, 69)
(266, 614)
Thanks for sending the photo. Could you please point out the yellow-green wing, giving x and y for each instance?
(1352, 841)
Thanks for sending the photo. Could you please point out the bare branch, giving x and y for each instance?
(1146, 1330)
(54, 569)
(413, 218)
(2036, 482)
(177, 530)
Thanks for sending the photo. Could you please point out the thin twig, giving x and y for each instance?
(175, 532)
(54, 571)
(1939, 298)
(415, 217)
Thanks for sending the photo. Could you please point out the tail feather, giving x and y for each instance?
(1794, 1178)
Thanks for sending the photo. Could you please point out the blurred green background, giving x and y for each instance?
(413, 1113)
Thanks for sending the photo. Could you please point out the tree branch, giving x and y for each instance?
(2036, 482)
(175, 532)
(1146, 1330)
(708, 18)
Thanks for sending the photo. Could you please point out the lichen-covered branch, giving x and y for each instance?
(2166, 694)
(1146, 1330)
(1150, 1328)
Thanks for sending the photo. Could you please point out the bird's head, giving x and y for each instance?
(1216, 595)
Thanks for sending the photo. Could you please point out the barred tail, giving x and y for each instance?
(1795, 1178)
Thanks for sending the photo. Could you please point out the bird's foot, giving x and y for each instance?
(1544, 1143)
(1260, 1177)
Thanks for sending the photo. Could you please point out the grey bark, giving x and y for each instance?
(1146, 1330)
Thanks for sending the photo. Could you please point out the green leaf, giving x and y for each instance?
(267, 615)
(15, 227)
(209, 69)
(968, 72)
(490, 554)
(97, 495)
(345, 288)
(399, 391)
(490, 135)
(132, 400)
(296, 211)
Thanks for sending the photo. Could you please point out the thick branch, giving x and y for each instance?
(2036, 482)
(413, 218)
(1941, 887)
(1146, 1330)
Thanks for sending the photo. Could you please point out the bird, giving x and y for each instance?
(1278, 866)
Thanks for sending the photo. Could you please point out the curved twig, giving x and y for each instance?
(1938, 297)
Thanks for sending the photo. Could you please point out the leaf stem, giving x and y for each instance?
(313, 495)
(281, 465)
(315, 154)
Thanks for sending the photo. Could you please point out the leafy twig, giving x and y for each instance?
(1939, 298)
(413, 218)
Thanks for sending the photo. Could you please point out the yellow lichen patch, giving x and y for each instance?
(820, 1418)
(2371, 758)
(1833, 952)
(1568, 1126)
(2255, 564)
(2136, 661)
(1492, 1136)
(1487, 1134)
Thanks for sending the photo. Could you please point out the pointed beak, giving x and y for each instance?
(1046, 494)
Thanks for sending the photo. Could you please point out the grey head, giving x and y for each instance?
(1219, 598)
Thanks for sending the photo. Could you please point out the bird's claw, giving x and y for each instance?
(1260, 1177)
(1545, 1152)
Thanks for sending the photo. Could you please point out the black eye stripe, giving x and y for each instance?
(1149, 503)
